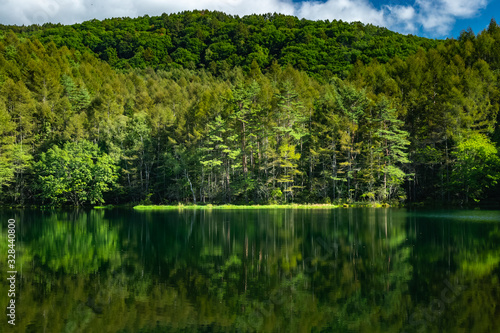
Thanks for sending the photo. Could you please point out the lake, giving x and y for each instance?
(272, 270)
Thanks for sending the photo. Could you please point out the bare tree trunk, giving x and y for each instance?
(191, 185)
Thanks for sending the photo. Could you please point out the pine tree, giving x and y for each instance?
(290, 130)
(393, 142)
(351, 103)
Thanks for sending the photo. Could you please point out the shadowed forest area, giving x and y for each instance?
(204, 107)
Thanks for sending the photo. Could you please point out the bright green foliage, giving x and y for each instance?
(288, 162)
(442, 95)
(69, 246)
(259, 115)
(290, 133)
(393, 142)
(21, 108)
(21, 163)
(219, 159)
(78, 173)
(352, 104)
(477, 167)
(219, 42)
(6, 148)
(137, 156)
(246, 124)
(78, 97)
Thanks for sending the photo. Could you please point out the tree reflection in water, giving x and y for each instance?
(361, 270)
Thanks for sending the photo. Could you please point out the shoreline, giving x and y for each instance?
(138, 207)
(284, 206)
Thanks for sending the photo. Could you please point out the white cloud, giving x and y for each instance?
(463, 8)
(345, 10)
(75, 11)
(401, 18)
(434, 17)
(439, 17)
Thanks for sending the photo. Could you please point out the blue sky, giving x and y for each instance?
(478, 20)
(429, 18)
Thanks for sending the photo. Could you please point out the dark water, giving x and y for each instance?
(344, 270)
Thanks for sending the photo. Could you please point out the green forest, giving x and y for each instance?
(202, 107)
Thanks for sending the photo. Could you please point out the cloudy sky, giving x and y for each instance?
(429, 18)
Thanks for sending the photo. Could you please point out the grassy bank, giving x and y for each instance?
(293, 206)
(104, 207)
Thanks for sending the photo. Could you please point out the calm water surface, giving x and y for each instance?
(276, 270)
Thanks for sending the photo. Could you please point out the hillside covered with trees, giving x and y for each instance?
(204, 107)
(217, 42)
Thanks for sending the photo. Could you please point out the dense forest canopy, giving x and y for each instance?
(205, 107)
(218, 42)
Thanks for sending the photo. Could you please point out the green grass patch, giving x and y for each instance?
(210, 206)
(104, 207)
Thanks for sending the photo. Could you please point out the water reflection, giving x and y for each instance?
(360, 270)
